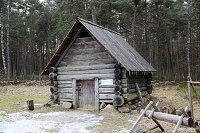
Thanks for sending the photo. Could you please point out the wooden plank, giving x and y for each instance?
(102, 71)
(107, 96)
(190, 99)
(64, 82)
(106, 90)
(96, 93)
(70, 44)
(178, 124)
(74, 93)
(107, 86)
(106, 101)
(64, 85)
(65, 90)
(65, 95)
(65, 99)
(84, 76)
(140, 117)
(138, 90)
(78, 68)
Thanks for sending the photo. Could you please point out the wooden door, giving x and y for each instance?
(86, 94)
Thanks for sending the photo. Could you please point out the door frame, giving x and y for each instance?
(75, 93)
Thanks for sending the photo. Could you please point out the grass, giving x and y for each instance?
(12, 104)
(183, 89)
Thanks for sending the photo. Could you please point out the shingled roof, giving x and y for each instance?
(123, 52)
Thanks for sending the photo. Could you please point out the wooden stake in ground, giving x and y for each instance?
(30, 104)
(190, 97)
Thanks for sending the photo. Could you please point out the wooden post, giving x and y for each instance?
(74, 101)
(96, 81)
(139, 93)
(178, 124)
(30, 104)
(140, 117)
(190, 98)
(152, 111)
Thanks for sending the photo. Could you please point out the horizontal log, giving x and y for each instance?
(84, 76)
(102, 71)
(78, 68)
(106, 90)
(105, 101)
(133, 85)
(53, 83)
(64, 82)
(65, 95)
(84, 39)
(107, 86)
(52, 75)
(134, 95)
(65, 90)
(187, 121)
(118, 101)
(65, 100)
(90, 62)
(135, 90)
(135, 80)
(88, 57)
(106, 96)
(64, 85)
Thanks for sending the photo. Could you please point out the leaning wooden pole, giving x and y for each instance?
(140, 117)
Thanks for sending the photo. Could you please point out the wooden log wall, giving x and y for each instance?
(86, 59)
(129, 80)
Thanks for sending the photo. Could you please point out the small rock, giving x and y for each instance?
(132, 107)
(109, 108)
(103, 105)
(67, 105)
(124, 110)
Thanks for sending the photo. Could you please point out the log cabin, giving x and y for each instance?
(96, 65)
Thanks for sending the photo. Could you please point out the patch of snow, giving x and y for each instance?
(36, 104)
(131, 121)
(42, 122)
(124, 130)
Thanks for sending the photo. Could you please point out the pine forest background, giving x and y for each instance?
(164, 32)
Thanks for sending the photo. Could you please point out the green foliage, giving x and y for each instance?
(183, 89)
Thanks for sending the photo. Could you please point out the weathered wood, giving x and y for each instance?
(106, 96)
(96, 93)
(66, 95)
(74, 94)
(130, 91)
(92, 67)
(134, 80)
(141, 116)
(69, 46)
(139, 93)
(106, 90)
(30, 104)
(187, 121)
(134, 95)
(84, 39)
(64, 82)
(190, 98)
(65, 90)
(132, 85)
(107, 86)
(84, 76)
(65, 99)
(102, 71)
(106, 101)
(152, 111)
(118, 101)
(52, 75)
(64, 85)
(178, 124)
(118, 88)
(53, 83)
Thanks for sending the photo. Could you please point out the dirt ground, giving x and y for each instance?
(13, 113)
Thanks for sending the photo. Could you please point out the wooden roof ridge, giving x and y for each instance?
(89, 22)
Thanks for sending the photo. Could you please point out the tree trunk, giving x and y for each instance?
(3, 50)
(8, 42)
